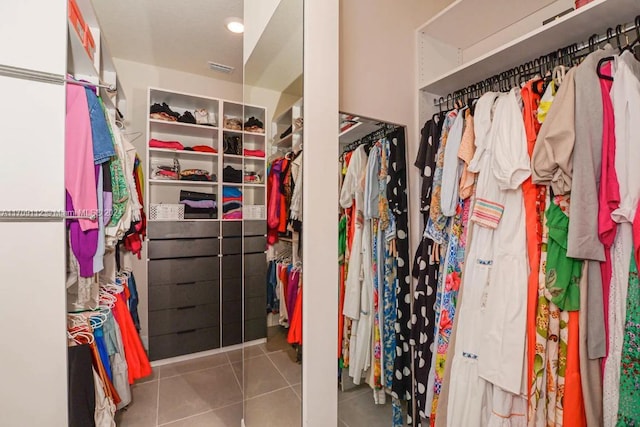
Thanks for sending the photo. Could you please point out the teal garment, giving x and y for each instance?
(629, 400)
(563, 273)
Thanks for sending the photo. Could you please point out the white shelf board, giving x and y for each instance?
(232, 184)
(346, 131)
(184, 129)
(253, 185)
(182, 182)
(255, 133)
(475, 20)
(284, 142)
(80, 65)
(232, 131)
(577, 26)
(182, 152)
(254, 158)
(233, 156)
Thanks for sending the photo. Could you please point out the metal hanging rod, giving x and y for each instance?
(44, 77)
(567, 55)
(108, 87)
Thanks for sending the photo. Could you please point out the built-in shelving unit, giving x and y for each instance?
(449, 62)
(204, 270)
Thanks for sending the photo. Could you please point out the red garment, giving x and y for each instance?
(136, 357)
(204, 149)
(133, 241)
(574, 414)
(254, 153)
(173, 145)
(533, 205)
(273, 201)
(295, 324)
(609, 195)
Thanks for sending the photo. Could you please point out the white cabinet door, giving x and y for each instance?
(33, 35)
(32, 118)
(33, 364)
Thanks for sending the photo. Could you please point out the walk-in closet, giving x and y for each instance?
(335, 213)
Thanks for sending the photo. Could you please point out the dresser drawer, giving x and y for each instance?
(255, 307)
(255, 329)
(255, 262)
(170, 271)
(183, 319)
(182, 248)
(255, 228)
(232, 289)
(182, 229)
(185, 342)
(231, 245)
(232, 311)
(255, 244)
(231, 266)
(255, 286)
(232, 334)
(162, 297)
(231, 228)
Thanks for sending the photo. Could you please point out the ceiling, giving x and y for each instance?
(182, 35)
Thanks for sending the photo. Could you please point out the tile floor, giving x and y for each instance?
(208, 392)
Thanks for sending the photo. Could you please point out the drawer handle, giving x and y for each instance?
(186, 332)
(187, 307)
(185, 283)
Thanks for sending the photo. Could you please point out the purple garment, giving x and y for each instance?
(84, 244)
(204, 204)
(292, 291)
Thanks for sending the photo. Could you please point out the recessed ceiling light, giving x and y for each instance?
(235, 25)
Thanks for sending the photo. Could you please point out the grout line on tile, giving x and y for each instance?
(158, 402)
(196, 370)
(186, 418)
(236, 376)
(279, 371)
(296, 393)
(267, 393)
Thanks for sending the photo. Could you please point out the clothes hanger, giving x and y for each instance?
(599, 68)
(619, 32)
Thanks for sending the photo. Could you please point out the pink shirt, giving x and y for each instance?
(609, 195)
(79, 171)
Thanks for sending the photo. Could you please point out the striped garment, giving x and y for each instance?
(487, 213)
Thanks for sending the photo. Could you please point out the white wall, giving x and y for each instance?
(135, 78)
(378, 72)
(257, 14)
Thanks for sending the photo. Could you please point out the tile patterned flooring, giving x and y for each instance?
(208, 392)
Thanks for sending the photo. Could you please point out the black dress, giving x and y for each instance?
(397, 197)
(425, 270)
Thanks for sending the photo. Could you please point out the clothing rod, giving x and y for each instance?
(108, 87)
(44, 216)
(515, 72)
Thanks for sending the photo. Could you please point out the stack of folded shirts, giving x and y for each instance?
(254, 153)
(196, 175)
(230, 174)
(164, 172)
(172, 145)
(201, 149)
(231, 203)
(198, 205)
(254, 125)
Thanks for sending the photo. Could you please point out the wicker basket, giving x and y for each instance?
(166, 211)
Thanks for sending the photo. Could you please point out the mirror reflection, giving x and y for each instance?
(273, 78)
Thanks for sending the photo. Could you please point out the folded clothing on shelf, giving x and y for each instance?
(187, 117)
(254, 153)
(172, 145)
(232, 123)
(254, 125)
(198, 205)
(164, 172)
(231, 203)
(163, 112)
(230, 174)
(252, 177)
(196, 175)
(204, 117)
(201, 148)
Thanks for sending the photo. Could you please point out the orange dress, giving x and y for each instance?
(533, 201)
